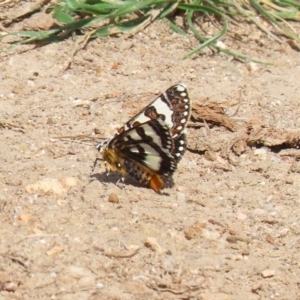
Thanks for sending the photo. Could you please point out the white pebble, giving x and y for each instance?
(267, 273)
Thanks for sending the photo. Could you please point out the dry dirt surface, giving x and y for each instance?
(228, 229)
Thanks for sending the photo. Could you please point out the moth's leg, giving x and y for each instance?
(95, 164)
(123, 181)
(107, 173)
(106, 169)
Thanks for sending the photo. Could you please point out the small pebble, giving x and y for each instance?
(24, 218)
(113, 198)
(252, 66)
(153, 244)
(180, 188)
(235, 239)
(261, 153)
(256, 287)
(245, 252)
(69, 181)
(77, 272)
(10, 286)
(30, 83)
(241, 216)
(55, 250)
(270, 239)
(221, 45)
(267, 273)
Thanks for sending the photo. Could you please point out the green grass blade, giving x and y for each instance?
(84, 23)
(191, 8)
(96, 9)
(123, 27)
(289, 15)
(199, 8)
(261, 10)
(62, 16)
(97, 18)
(174, 27)
(207, 42)
(34, 35)
(287, 3)
(169, 8)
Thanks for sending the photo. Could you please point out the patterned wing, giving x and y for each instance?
(150, 145)
(173, 107)
(142, 152)
(179, 147)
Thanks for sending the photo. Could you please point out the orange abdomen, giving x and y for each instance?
(156, 183)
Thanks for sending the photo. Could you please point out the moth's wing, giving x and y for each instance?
(149, 145)
(173, 107)
(179, 148)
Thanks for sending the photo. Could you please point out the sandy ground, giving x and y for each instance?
(228, 229)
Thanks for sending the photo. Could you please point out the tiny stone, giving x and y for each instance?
(10, 286)
(113, 198)
(235, 239)
(69, 181)
(232, 232)
(241, 216)
(261, 153)
(152, 243)
(270, 239)
(50, 88)
(180, 188)
(252, 66)
(256, 287)
(267, 273)
(245, 252)
(30, 83)
(50, 121)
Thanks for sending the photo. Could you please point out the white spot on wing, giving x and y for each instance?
(180, 87)
(134, 150)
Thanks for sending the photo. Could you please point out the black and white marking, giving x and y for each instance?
(173, 107)
(153, 141)
(149, 144)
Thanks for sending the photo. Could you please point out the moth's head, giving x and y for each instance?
(101, 146)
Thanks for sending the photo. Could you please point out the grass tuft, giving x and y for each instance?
(95, 18)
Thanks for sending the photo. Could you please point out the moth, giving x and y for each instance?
(149, 146)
